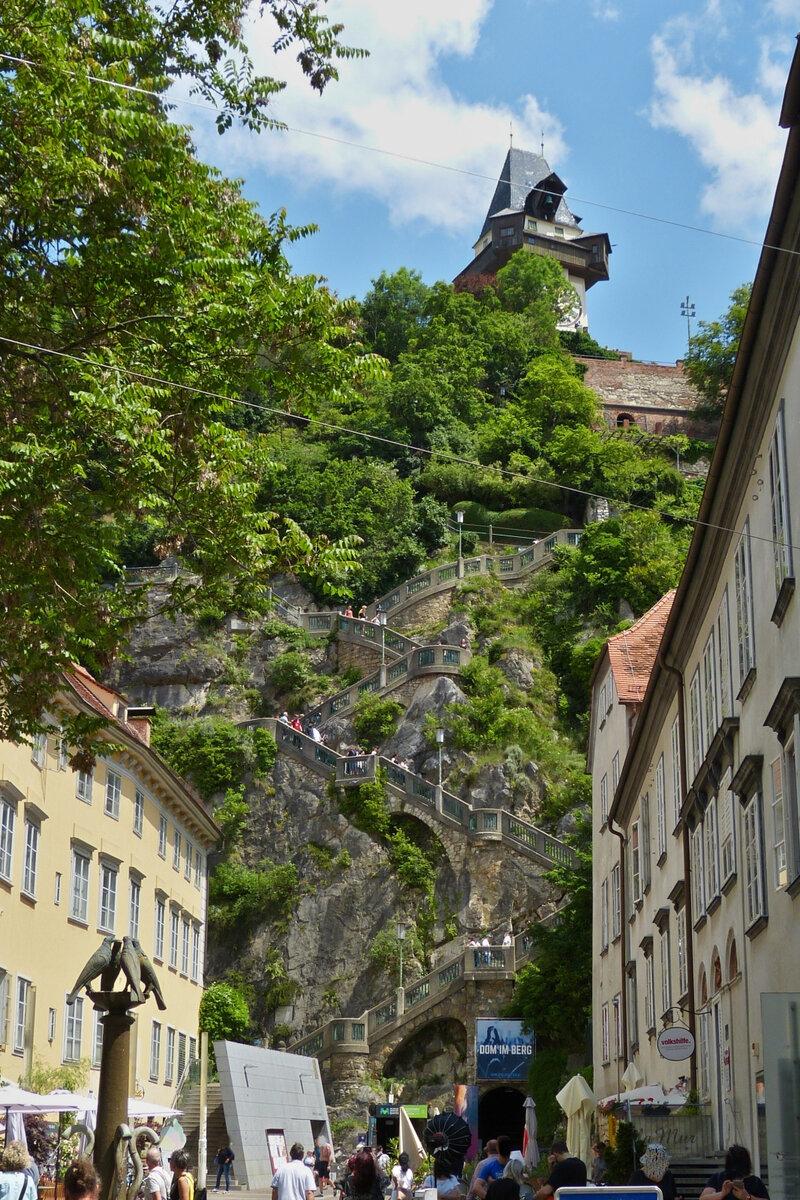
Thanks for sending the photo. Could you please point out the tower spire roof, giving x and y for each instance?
(522, 171)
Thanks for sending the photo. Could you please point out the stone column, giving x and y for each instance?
(112, 1099)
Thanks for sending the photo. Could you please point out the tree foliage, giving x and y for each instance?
(712, 352)
(224, 1015)
(142, 294)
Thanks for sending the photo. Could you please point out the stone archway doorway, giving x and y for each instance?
(500, 1110)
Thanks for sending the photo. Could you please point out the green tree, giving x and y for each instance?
(224, 1015)
(534, 285)
(712, 353)
(393, 311)
(137, 285)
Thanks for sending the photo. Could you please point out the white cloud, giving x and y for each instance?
(396, 100)
(734, 133)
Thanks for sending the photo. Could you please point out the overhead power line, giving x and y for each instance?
(192, 389)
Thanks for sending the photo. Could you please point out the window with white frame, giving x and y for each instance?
(666, 970)
(727, 832)
(605, 1034)
(616, 903)
(779, 503)
(195, 954)
(181, 1053)
(176, 849)
(84, 782)
(661, 809)
(636, 874)
(683, 961)
(5, 1006)
(650, 991)
(155, 1050)
(63, 752)
(723, 639)
(703, 1049)
(39, 750)
(633, 1014)
(31, 859)
(174, 937)
(790, 805)
(8, 816)
(162, 836)
(73, 1030)
(644, 848)
(698, 873)
(107, 915)
(187, 863)
(778, 824)
(113, 792)
(696, 749)
(604, 915)
(198, 867)
(601, 706)
(604, 800)
(744, 606)
(616, 1009)
(169, 1056)
(57, 889)
(710, 702)
(21, 1014)
(79, 887)
(675, 755)
(51, 1024)
(97, 1039)
(192, 1049)
(615, 772)
(185, 941)
(752, 861)
(134, 905)
(711, 850)
(138, 812)
(159, 928)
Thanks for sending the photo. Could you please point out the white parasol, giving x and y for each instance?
(577, 1100)
(530, 1147)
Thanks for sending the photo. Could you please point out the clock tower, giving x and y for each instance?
(528, 210)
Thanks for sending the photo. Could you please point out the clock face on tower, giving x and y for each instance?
(570, 311)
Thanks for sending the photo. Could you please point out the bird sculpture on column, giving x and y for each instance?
(100, 961)
(148, 975)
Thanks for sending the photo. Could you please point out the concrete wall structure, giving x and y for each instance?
(697, 853)
(120, 850)
(656, 398)
(267, 1090)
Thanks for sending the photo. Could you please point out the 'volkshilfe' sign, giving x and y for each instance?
(675, 1043)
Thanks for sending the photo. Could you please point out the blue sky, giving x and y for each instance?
(665, 110)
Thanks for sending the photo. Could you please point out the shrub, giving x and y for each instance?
(240, 895)
(290, 671)
(223, 1015)
(375, 720)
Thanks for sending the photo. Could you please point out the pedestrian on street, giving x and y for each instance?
(294, 1180)
(224, 1160)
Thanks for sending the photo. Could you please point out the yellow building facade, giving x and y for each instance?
(121, 850)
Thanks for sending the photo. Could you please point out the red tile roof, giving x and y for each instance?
(92, 693)
(633, 652)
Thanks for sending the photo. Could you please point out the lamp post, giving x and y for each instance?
(439, 744)
(401, 937)
(383, 616)
(460, 520)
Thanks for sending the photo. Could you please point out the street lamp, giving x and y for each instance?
(460, 520)
(382, 616)
(401, 937)
(439, 744)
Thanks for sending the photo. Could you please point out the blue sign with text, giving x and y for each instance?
(504, 1051)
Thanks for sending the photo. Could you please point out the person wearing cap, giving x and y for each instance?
(655, 1169)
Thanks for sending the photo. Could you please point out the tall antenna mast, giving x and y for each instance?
(542, 143)
(511, 135)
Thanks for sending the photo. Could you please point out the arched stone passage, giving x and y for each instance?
(444, 852)
(500, 1110)
(433, 1055)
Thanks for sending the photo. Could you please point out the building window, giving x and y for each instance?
(113, 790)
(79, 887)
(162, 836)
(97, 1040)
(697, 751)
(698, 873)
(31, 858)
(616, 900)
(604, 915)
(752, 859)
(73, 1030)
(57, 889)
(187, 869)
(615, 772)
(176, 850)
(181, 1054)
(138, 812)
(4, 1007)
(710, 707)
(39, 750)
(644, 849)
(155, 1050)
(650, 992)
(559, 231)
(8, 814)
(711, 850)
(84, 782)
(605, 1034)
(21, 1015)
(174, 934)
(158, 940)
(601, 706)
(636, 877)
(108, 896)
(683, 964)
(192, 1049)
(633, 1015)
(666, 977)
(744, 607)
(779, 505)
(727, 839)
(195, 953)
(135, 896)
(723, 632)
(51, 1025)
(185, 945)
(675, 752)
(616, 1007)
(169, 1057)
(661, 809)
(506, 231)
(778, 824)
(198, 867)
(604, 800)
(703, 1065)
